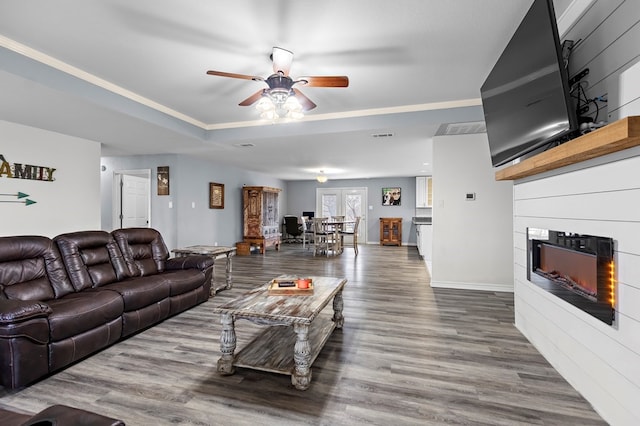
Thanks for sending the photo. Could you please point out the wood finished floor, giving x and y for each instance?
(408, 354)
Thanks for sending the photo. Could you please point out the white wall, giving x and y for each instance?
(472, 240)
(70, 203)
(602, 362)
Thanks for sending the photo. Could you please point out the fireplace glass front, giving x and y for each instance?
(574, 267)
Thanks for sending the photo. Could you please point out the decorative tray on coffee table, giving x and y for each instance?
(291, 287)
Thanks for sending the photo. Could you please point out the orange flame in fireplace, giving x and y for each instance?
(612, 284)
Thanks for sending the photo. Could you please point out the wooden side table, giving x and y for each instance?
(214, 252)
(391, 231)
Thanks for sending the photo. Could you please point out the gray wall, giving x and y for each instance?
(301, 196)
(183, 225)
(189, 182)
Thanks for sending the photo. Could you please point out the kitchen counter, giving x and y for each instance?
(421, 220)
(423, 236)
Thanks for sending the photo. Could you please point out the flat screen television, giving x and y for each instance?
(526, 99)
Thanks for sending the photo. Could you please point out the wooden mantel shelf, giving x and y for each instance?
(619, 135)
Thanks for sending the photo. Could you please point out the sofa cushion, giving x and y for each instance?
(79, 312)
(183, 281)
(143, 249)
(139, 292)
(31, 269)
(92, 258)
(66, 351)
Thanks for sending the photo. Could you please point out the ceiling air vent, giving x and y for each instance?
(468, 128)
(244, 145)
(382, 135)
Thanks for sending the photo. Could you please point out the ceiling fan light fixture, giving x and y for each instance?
(269, 115)
(265, 104)
(292, 104)
(280, 89)
(276, 103)
(295, 115)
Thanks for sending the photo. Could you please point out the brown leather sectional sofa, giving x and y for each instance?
(64, 298)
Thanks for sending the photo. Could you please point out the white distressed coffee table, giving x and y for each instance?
(296, 331)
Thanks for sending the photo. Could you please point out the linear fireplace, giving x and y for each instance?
(577, 268)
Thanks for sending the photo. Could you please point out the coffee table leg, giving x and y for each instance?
(338, 304)
(227, 345)
(229, 270)
(301, 375)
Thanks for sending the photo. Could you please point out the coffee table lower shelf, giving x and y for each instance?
(272, 350)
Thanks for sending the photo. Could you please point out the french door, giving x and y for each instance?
(347, 202)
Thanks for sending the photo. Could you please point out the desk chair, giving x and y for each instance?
(293, 230)
(353, 233)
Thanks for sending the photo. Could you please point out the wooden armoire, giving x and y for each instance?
(261, 217)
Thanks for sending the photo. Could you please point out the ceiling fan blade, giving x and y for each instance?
(307, 104)
(233, 75)
(282, 60)
(252, 99)
(327, 81)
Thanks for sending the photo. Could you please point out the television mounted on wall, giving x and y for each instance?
(526, 96)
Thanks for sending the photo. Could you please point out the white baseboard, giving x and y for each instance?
(473, 286)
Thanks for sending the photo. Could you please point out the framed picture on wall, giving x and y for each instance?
(216, 195)
(391, 196)
(163, 180)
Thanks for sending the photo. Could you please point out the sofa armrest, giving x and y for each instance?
(13, 311)
(195, 261)
(64, 415)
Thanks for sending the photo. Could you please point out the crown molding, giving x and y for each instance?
(90, 78)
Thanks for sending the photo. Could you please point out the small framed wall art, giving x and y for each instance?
(391, 196)
(216, 195)
(163, 180)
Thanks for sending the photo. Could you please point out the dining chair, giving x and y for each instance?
(323, 238)
(353, 232)
(307, 231)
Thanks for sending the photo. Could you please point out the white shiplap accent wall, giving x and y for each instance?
(602, 362)
(598, 197)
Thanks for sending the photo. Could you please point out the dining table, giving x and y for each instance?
(335, 226)
(332, 226)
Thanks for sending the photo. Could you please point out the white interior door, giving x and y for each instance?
(132, 199)
(348, 202)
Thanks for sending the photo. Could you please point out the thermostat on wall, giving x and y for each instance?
(471, 196)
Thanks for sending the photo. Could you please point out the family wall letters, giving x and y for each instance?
(25, 171)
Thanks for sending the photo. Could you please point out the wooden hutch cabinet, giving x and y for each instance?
(391, 231)
(261, 217)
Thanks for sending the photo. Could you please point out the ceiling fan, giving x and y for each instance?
(281, 96)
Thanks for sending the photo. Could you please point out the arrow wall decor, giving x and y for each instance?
(19, 196)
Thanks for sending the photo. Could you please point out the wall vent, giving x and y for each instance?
(382, 135)
(468, 128)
